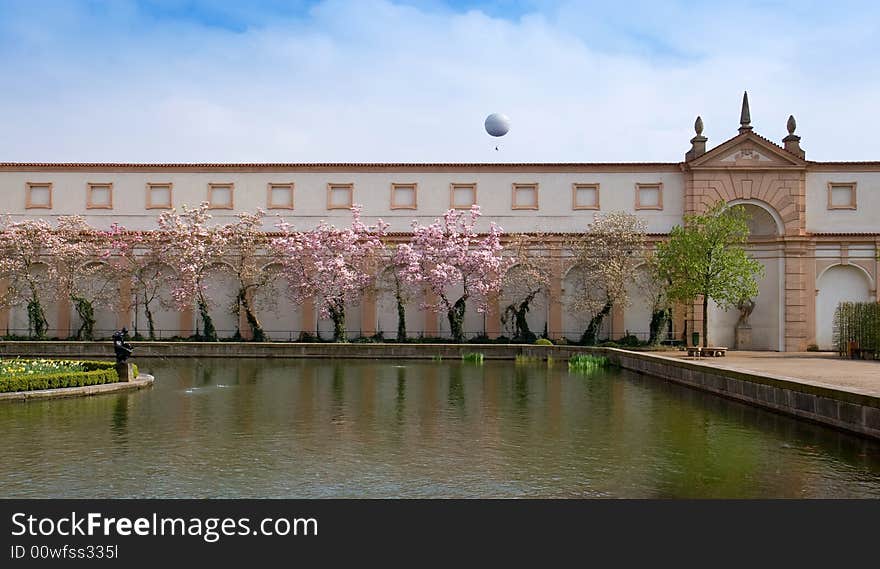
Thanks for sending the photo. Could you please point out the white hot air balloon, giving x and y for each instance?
(497, 125)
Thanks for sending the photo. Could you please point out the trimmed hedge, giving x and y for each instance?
(857, 322)
(94, 373)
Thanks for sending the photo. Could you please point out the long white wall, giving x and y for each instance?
(371, 189)
(863, 219)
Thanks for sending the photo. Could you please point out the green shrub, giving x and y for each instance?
(859, 323)
(586, 363)
(474, 357)
(377, 338)
(58, 380)
(524, 360)
(630, 341)
(90, 372)
(543, 342)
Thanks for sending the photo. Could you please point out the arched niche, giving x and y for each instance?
(764, 220)
(836, 284)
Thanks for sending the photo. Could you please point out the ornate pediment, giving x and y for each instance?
(747, 151)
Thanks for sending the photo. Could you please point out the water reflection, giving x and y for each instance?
(400, 399)
(456, 387)
(119, 419)
(298, 428)
(521, 386)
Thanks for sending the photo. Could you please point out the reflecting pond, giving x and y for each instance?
(356, 428)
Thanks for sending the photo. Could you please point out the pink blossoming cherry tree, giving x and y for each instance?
(194, 249)
(26, 249)
(448, 256)
(332, 266)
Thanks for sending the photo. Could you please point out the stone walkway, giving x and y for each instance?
(817, 368)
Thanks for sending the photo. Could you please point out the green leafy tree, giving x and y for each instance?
(706, 258)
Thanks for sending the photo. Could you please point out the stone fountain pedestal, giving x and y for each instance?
(125, 371)
(744, 337)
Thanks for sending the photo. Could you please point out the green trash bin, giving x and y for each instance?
(695, 338)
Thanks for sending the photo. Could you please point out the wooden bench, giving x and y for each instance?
(711, 351)
(715, 351)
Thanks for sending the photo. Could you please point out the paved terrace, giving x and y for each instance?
(816, 368)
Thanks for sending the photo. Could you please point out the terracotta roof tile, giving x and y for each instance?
(319, 164)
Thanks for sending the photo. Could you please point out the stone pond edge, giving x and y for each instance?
(142, 381)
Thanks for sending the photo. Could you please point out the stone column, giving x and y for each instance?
(431, 325)
(63, 325)
(554, 296)
(4, 312)
(695, 323)
(185, 322)
(618, 326)
(493, 318)
(368, 314)
(679, 318)
(810, 292)
(307, 310)
(795, 295)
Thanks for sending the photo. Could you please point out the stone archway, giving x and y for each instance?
(764, 220)
(767, 332)
(748, 169)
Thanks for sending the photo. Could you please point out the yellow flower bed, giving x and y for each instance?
(20, 366)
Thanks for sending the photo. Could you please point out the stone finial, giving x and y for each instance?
(745, 117)
(792, 142)
(698, 143)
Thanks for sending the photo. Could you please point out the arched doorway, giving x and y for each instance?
(837, 284)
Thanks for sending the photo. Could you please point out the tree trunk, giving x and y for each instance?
(659, 320)
(522, 332)
(338, 317)
(455, 315)
(401, 320)
(257, 332)
(86, 313)
(209, 332)
(150, 323)
(590, 334)
(705, 321)
(37, 324)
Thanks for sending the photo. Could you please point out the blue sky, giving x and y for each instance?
(378, 80)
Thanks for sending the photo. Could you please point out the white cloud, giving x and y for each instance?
(374, 81)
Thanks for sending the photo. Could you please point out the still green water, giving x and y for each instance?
(351, 428)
